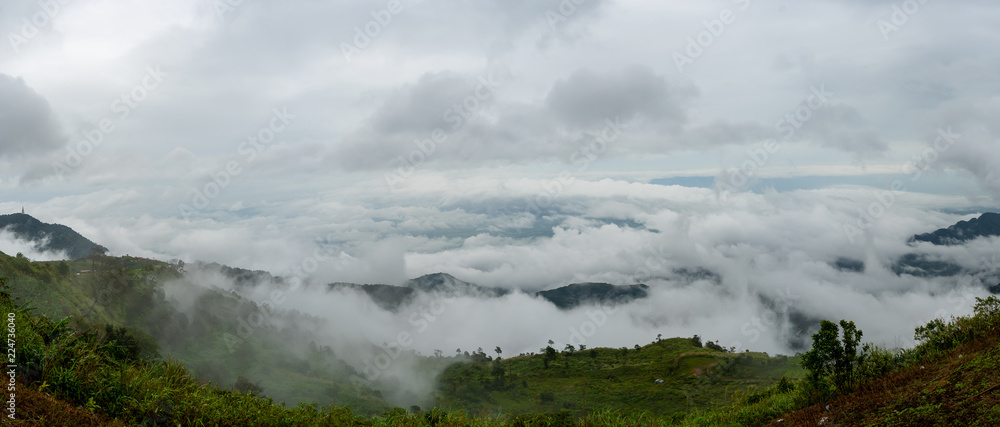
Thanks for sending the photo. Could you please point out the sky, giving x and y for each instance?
(521, 144)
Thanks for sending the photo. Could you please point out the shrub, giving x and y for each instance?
(245, 386)
(831, 360)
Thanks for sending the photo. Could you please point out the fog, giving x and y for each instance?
(754, 272)
(515, 144)
(12, 244)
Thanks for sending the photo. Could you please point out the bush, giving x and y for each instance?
(784, 385)
(832, 360)
(245, 386)
(128, 345)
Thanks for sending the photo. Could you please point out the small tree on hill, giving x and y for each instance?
(696, 341)
(550, 355)
(832, 360)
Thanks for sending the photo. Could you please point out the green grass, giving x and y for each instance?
(602, 379)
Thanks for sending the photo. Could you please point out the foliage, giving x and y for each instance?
(833, 361)
(245, 386)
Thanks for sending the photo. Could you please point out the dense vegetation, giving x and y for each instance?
(103, 365)
(130, 293)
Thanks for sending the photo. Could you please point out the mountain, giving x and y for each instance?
(988, 224)
(240, 276)
(386, 296)
(448, 284)
(925, 265)
(49, 237)
(392, 297)
(577, 294)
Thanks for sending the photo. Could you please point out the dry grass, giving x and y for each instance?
(36, 408)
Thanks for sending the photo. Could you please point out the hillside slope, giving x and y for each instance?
(195, 325)
(959, 387)
(49, 237)
(666, 378)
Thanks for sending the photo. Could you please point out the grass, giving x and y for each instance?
(623, 380)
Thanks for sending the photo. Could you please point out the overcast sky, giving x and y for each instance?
(511, 143)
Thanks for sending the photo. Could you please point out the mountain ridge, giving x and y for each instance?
(49, 237)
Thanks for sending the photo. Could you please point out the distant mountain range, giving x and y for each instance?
(55, 237)
(577, 294)
(925, 265)
(987, 225)
(392, 297)
(566, 297)
(49, 237)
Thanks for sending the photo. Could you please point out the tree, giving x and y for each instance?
(499, 374)
(845, 367)
(714, 345)
(696, 341)
(833, 359)
(63, 268)
(550, 355)
(246, 386)
(498, 351)
(569, 348)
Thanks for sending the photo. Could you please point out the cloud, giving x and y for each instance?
(11, 245)
(587, 98)
(28, 126)
(842, 127)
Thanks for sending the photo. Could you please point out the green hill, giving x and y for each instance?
(128, 292)
(666, 378)
(127, 355)
(50, 237)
